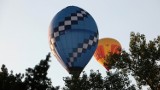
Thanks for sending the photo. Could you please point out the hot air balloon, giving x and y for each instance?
(73, 38)
(105, 47)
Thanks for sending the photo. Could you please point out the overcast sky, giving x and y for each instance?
(24, 29)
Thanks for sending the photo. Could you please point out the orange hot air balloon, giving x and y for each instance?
(106, 46)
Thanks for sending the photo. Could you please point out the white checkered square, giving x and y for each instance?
(71, 59)
(95, 39)
(85, 46)
(79, 15)
(61, 28)
(68, 22)
(75, 54)
(79, 50)
(74, 18)
(90, 42)
(56, 34)
(83, 12)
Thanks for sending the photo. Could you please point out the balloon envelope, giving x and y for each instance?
(106, 46)
(73, 38)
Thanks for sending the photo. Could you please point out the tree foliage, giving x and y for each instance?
(34, 78)
(95, 81)
(10, 81)
(141, 61)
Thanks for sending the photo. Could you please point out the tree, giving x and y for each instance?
(72, 83)
(141, 61)
(118, 81)
(34, 78)
(113, 81)
(10, 81)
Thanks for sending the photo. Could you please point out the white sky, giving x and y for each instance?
(24, 29)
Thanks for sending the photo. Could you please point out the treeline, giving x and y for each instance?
(142, 62)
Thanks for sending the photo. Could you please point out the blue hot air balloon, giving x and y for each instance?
(73, 38)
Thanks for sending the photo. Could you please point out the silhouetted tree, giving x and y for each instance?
(8, 81)
(113, 81)
(141, 61)
(34, 78)
(118, 81)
